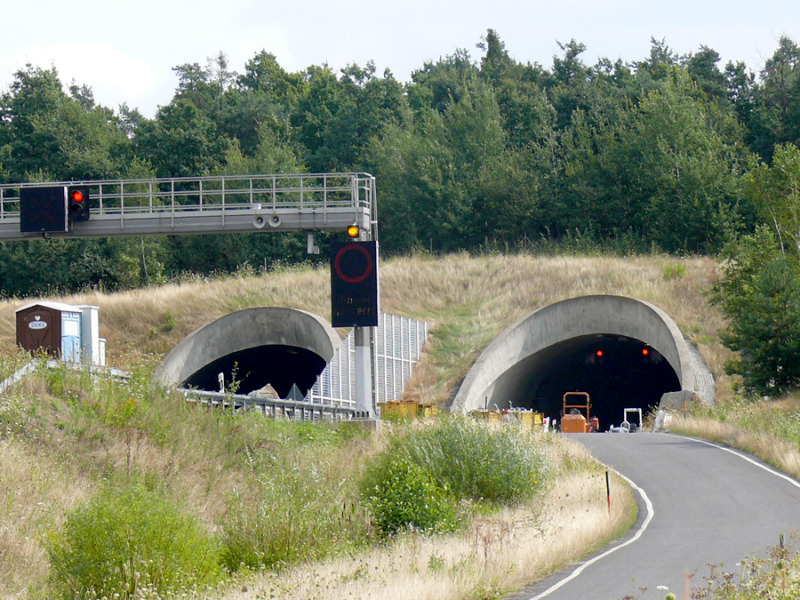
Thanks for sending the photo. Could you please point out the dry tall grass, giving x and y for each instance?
(33, 497)
(783, 454)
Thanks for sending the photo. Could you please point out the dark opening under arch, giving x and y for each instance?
(245, 371)
(617, 371)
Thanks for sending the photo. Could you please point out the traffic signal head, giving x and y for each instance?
(78, 203)
(353, 232)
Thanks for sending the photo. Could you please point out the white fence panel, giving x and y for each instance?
(398, 343)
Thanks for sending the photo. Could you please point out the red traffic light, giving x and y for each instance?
(599, 354)
(645, 352)
(78, 203)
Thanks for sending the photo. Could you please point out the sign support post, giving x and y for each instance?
(364, 405)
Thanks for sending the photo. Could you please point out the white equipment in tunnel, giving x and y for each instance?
(626, 426)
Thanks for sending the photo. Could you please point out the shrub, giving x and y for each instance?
(121, 542)
(500, 465)
(440, 465)
(401, 494)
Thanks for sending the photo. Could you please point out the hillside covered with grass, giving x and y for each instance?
(247, 490)
(467, 300)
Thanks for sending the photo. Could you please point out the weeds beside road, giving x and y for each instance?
(279, 508)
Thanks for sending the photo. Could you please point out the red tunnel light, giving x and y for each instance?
(599, 354)
(645, 352)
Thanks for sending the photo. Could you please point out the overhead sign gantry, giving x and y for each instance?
(328, 202)
(186, 205)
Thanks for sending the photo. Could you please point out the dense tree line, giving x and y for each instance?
(469, 154)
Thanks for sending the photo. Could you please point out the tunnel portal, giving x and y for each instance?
(623, 352)
(616, 371)
(252, 348)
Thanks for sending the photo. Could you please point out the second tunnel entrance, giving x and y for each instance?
(616, 371)
(624, 352)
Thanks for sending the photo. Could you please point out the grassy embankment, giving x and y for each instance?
(59, 441)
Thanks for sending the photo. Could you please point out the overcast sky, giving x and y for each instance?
(125, 51)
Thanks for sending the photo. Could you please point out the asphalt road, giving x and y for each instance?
(699, 505)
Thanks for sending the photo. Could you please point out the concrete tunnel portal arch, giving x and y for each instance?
(254, 347)
(624, 352)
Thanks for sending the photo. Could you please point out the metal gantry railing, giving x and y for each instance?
(213, 204)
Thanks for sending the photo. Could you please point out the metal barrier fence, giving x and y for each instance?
(397, 346)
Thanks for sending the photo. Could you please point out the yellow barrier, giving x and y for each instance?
(398, 409)
(528, 419)
(407, 409)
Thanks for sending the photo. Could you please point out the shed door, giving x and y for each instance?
(40, 328)
(71, 337)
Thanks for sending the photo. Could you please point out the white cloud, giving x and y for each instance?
(110, 73)
(133, 49)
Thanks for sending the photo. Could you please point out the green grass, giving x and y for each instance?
(128, 540)
(174, 496)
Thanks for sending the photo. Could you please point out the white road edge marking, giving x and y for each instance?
(650, 511)
(637, 535)
(743, 456)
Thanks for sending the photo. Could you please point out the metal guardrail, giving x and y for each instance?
(215, 204)
(53, 364)
(298, 410)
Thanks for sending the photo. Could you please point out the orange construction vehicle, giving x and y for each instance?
(575, 421)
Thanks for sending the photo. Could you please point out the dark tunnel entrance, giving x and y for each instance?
(616, 371)
(249, 370)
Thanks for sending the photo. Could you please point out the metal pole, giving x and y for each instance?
(365, 402)
(364, 405)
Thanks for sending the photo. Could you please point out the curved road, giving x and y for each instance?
(700, 504)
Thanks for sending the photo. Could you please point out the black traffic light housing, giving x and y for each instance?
(49, 209)
(78, 202)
